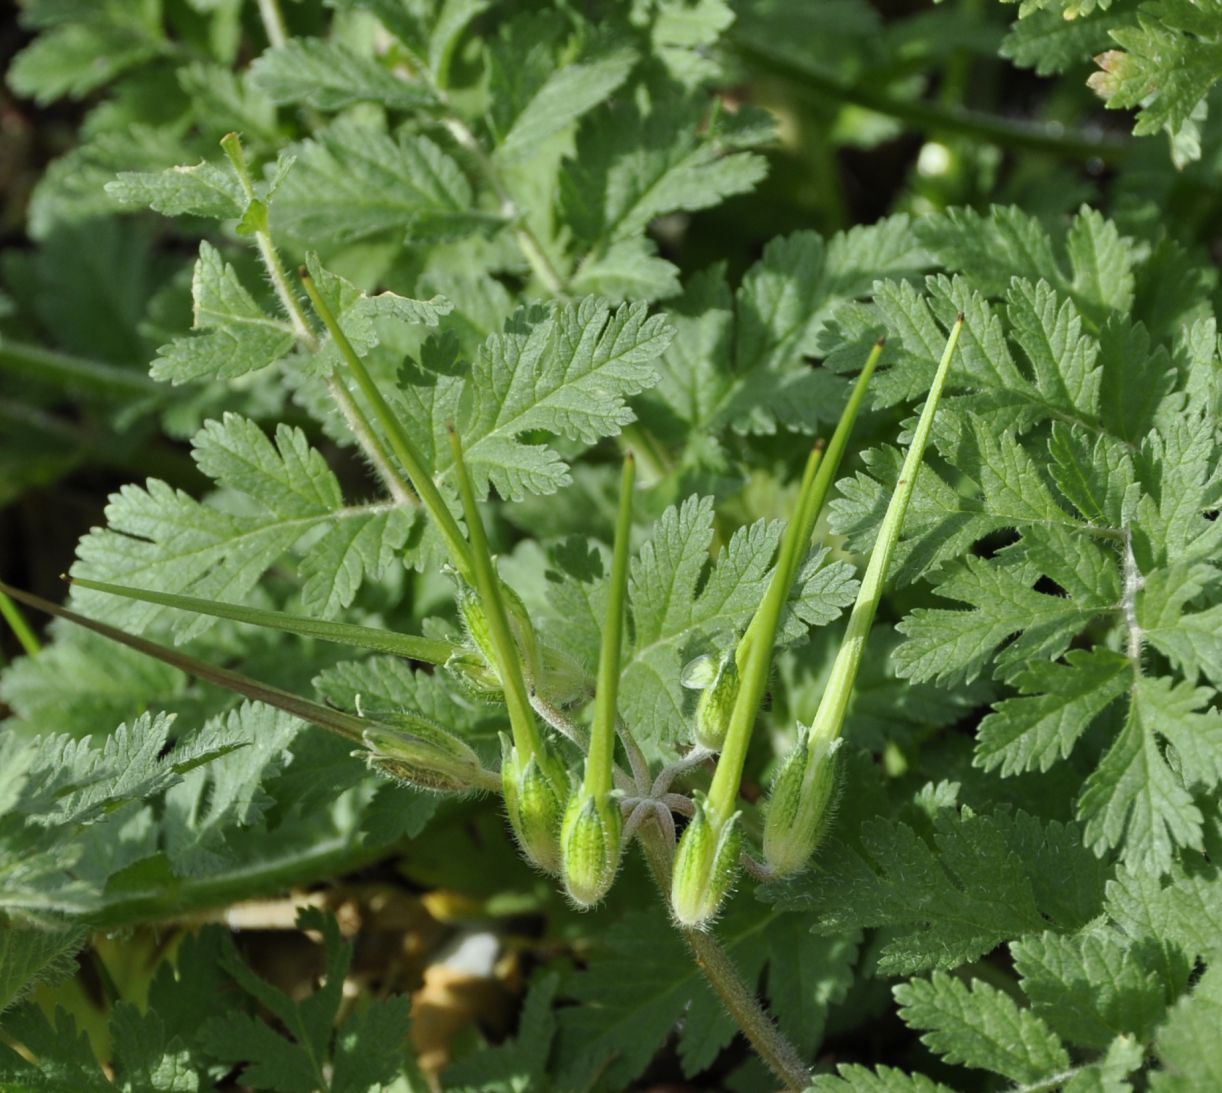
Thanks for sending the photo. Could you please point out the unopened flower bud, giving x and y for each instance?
(715, 705)
(425, 756)
(590, 846)
(473, 673)
(535, 796)
(706, 865)
(801, 804)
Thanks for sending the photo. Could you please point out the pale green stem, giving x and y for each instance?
(17, 623)
(723, 792)
(487, 583)
(428, 650)
(273, 22)
(839, 689)
(601, 759)
(359, 425)
(401, 444)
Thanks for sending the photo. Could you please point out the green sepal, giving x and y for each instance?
(716, 703)
(423, 755)
(591, 846)
(706, 866)
(801, 804)
(476, 624)
(471, 670)
(536, 793)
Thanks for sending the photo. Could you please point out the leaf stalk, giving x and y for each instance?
(427, 650)
(400, 442)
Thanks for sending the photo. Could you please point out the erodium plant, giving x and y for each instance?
(572, 810)
(813, 639)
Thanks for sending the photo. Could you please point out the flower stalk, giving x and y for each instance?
(21, 629)
(397, 436)
(347, 725)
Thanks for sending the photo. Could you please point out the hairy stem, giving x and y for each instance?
(401, 443)
(768, 1042)
(366, 438)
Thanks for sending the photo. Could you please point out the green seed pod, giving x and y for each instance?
(519, 623)
(590, 845)
(801, 804)
(715, 705)
(706, 865)
(536, 793)
(425, 756)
